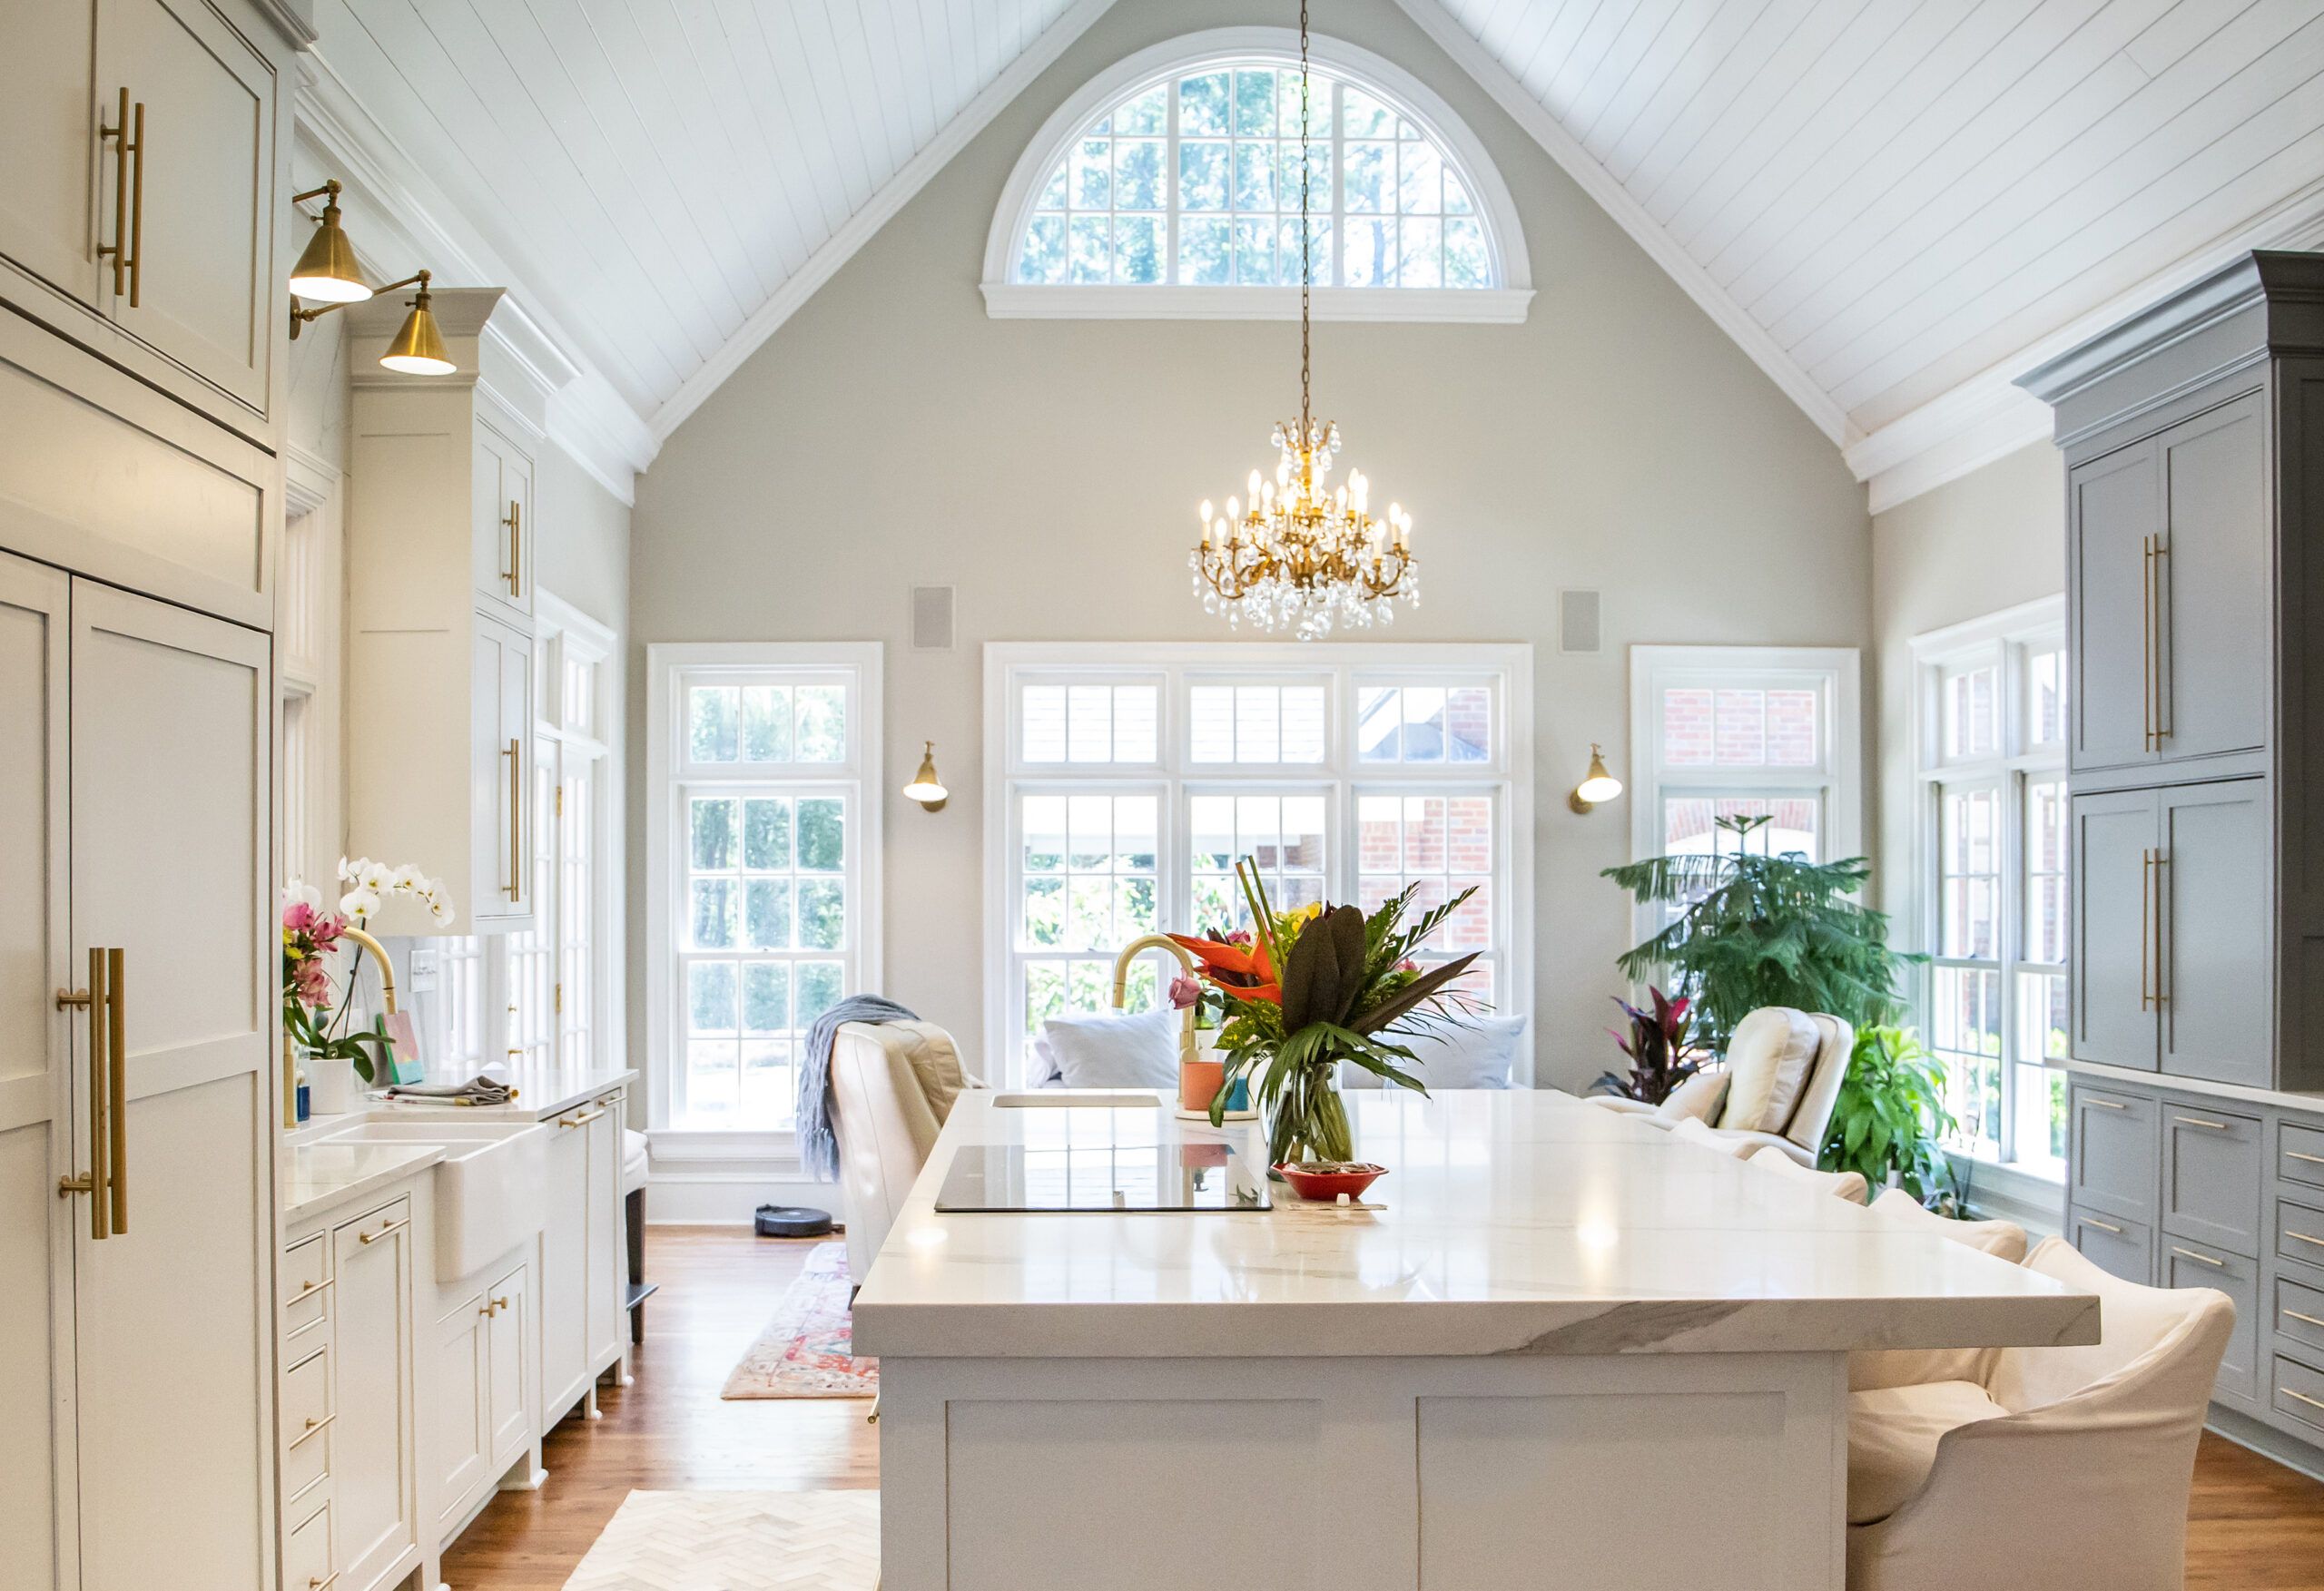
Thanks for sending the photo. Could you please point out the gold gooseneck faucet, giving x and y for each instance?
(386, 999)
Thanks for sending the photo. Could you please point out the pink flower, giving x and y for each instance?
(327, 930)
(1238, 936)
(1183, 992)
(299, 916)
(312, 983)
(1408, 964)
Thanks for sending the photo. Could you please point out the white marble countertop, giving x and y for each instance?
(541, 1092)
(2281, 1098)
(1515, 1222)
(325, 1176)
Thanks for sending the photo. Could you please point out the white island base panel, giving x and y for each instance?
(1587, 1473)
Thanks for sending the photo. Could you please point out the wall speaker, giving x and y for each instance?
(1578, 628)
(932, 618)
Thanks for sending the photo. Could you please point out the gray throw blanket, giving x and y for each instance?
(818, 1144)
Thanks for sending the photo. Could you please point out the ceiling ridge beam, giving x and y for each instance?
(865, 223)
(1439, 24)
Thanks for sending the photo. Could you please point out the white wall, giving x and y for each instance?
(891, 435)
(1991, 540)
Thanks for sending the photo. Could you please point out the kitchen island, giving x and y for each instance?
(1565, 1349)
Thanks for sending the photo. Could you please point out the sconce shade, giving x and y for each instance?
(417, 348)
(1597, 785)
(327, 271)
(926, 788)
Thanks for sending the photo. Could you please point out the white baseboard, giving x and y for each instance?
(729, 1199)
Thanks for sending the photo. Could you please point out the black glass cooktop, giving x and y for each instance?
(1101, 1178)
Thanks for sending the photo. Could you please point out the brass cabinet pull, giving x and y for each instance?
(2201, 1122)
(128, 246)
(2303, 1237)
(2161, 914)
(311, 1288)
(2103, 1104)
(2146, 927)
(516, 755)
(2304, 1397)
(2102, 1225)
(313, 1426)
(117, 1072)
(2203, 1259)
(373, 1237)
(2146, 640)
(2310, 1320)
(2311, 1159)
(514, 521)
(324, 1584)
(2159, 560)
(579, 1121)
(92, 1000)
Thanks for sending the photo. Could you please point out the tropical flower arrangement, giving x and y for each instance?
(1305, 990)
(310, 936)
(1661, 1047)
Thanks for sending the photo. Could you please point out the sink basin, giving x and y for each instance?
(491, 1186)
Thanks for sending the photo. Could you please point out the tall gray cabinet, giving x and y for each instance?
(2193, 437)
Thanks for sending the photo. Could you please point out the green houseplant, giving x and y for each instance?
(1890, 1117)
(1756, 929)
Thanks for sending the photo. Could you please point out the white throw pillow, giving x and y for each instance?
(1108, 1050)
(1768, 1060)
(1481, 1052)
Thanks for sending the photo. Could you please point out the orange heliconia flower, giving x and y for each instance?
(1244, 973)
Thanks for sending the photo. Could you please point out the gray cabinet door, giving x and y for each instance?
(2211, 586)
(2217, 962)
(2115, 1153)
(2113, 504)
(2212, 1165)
(2113, 923)
(2197, 1264)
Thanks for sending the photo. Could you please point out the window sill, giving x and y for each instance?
(723, 1146)
(2032, 1200)
(1043, 302)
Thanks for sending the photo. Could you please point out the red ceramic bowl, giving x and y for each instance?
(1318, 1185)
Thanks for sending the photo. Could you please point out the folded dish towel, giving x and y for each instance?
(475, 1091)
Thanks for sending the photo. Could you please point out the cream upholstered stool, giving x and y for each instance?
(1782, 1079)
(1906, 1367)
(635, 1162)
(893, 1085)
(1689, 1130)
(1843, 1184)
(2064, 1468)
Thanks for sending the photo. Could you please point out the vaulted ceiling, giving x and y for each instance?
(1891, 205)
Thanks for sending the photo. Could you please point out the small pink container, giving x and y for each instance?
(1199, 1082)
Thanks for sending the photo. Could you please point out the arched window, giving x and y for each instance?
(1171, 185)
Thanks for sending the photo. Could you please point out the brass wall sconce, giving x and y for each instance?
(327, 273)
(1597, 785)
(926, 788)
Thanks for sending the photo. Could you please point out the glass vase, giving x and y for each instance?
(1308, 1120)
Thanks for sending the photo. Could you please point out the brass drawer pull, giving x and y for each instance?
(311, 1288)
(373, 1237)
(580, 1121)
(514, 887)
(2304, 1397)
(2190, 1254)
(325, 1584)
(2305, 1320)
(514, 520)
(313, 1426)
(2300, 1155)
(2303, 1237)
(128, 245)
(2103, 1104)
(2102, 1225)
(2203, 1121)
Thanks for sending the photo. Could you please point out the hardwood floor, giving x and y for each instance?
(2254, 1526)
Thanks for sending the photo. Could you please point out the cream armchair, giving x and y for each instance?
(1782, 1079)
(893, 1085)
(2067, 1469)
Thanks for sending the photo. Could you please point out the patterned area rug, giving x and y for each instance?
(737, 1541)
(804, 1352)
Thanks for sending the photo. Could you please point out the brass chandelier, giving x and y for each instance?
(1294, 555)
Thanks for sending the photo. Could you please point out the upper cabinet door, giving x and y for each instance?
(502, 492)
(2113, 513)
(201, 188)
(2114, 919)
(2211, 583)
(2218, 961)
(48, 125)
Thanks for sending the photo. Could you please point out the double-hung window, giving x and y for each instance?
(1991, 866)
(1728, 733)
(1125, 783)
(764, 862)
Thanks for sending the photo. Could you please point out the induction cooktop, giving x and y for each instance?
(1101, 1178)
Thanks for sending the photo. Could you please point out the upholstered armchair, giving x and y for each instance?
(2066, 1467)
(893, 1085)
(1782, 1079)
(1841, 1184)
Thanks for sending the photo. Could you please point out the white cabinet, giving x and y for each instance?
(439, 684)
(482, 1418)
(374, 1474)
(154, 238)
(581, 1249)
(152, 1291)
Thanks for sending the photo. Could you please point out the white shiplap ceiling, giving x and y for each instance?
(1891, 205)
(1895, 205)
(670, 178)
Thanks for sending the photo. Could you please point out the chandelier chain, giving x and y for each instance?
(1307, 233)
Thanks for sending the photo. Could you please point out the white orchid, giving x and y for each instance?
(440, 911)
(296, 893)
(359, 904)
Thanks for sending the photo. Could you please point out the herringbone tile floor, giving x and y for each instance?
(737, 1541)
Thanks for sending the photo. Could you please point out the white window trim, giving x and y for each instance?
(1504, 235)
(2005, 635)
(1171, 663)
(1838, 671)
(312, 492)
(762, 1153)
(569, 630)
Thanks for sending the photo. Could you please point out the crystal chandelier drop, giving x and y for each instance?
(1298, 554)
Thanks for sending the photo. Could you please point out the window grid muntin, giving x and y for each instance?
(2020, 1098)
(1333, 220)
